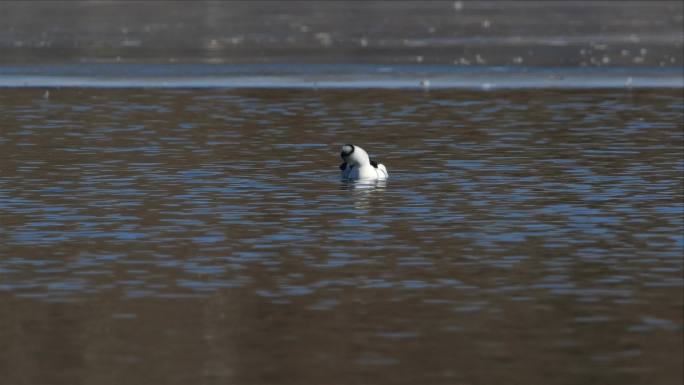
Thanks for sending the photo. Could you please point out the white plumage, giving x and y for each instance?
(358, 165)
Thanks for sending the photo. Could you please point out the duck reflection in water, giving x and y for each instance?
(365, 192)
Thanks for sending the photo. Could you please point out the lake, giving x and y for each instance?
(178, 235)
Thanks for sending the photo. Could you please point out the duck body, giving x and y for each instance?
(358, 165)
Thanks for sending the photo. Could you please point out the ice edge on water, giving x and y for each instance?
(336, 77)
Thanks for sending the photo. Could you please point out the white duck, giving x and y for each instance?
(357, 164)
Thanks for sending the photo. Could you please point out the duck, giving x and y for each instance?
(358, 165)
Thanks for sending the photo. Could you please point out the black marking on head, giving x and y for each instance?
(374, 163)
(352, 149)
(343, 166)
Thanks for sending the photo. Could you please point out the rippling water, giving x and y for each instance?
(204, 236)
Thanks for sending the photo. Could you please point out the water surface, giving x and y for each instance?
(203, 236)
(335, 76)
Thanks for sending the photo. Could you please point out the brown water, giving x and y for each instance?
(187, 236)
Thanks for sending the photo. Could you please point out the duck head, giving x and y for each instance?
(354, 155)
